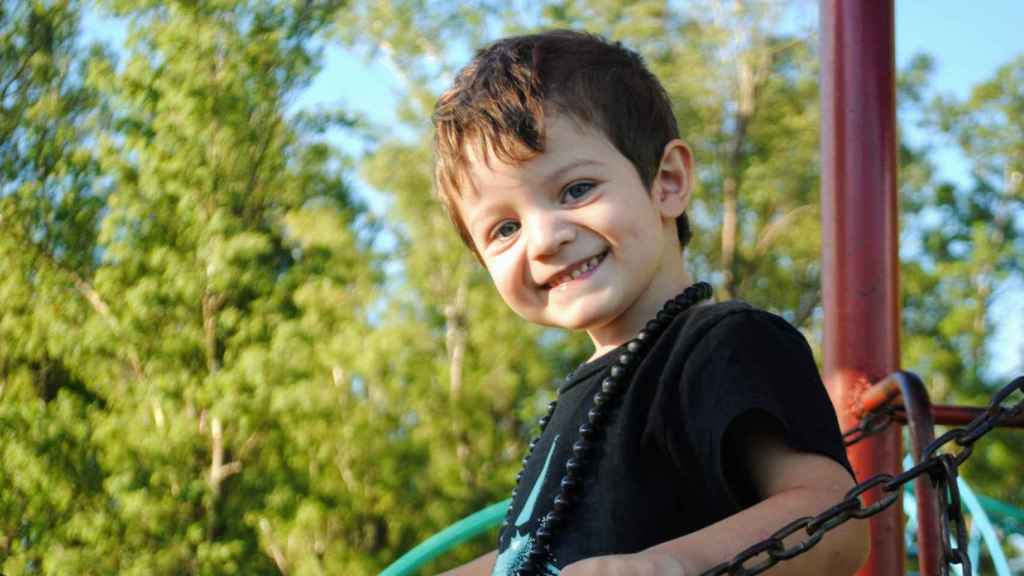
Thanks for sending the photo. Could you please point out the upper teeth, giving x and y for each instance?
(584, 267)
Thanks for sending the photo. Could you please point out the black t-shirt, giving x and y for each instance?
(663, 467)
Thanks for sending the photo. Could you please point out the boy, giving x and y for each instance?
(691, 433)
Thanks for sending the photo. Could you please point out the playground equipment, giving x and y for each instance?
(860, 288)
(860, 281)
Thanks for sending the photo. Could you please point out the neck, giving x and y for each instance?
(670, 280)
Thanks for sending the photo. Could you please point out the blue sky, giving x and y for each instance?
(968, 39)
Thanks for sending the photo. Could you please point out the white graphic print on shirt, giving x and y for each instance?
(521, 544)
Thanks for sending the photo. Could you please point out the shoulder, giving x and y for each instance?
(713, 339)
(738, 326)
(735, 314)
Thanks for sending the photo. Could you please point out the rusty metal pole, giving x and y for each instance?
(860, 283)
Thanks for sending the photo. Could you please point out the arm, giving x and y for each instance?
(482, 566)
(792, 484)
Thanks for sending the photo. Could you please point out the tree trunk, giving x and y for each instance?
(455, 337)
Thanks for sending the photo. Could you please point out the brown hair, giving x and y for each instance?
(498, 101)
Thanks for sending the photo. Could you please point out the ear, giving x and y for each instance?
(673, 183)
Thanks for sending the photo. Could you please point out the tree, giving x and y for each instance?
(966, 242)
(186, 326)
(49, 208)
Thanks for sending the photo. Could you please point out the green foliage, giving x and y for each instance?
(184, 280)
(970, 243)
(49, 208)
(207, 368)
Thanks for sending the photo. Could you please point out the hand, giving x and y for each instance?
(640, 564)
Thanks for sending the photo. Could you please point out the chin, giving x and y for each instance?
(542, 318)
(582, 322)
(594, 314)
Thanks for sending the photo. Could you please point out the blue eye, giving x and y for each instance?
(578, 190)
(506, 225)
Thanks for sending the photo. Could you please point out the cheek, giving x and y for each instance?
(507, 277)
(622, 226)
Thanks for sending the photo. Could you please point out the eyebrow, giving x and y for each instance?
(482, 215)
(561, 172)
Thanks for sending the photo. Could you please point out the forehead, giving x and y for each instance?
(568, 144)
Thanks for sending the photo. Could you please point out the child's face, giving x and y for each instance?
(578, 204)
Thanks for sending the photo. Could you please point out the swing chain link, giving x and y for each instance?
(872, 423)
(941, 468)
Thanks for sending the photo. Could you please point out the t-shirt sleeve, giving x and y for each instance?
(754, 368)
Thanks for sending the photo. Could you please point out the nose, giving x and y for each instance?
(547, 234)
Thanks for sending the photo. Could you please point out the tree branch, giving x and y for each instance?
(807, 307)
(275, 550)
(455, 337)
(211, 305)
(84, 288)
(219, 471)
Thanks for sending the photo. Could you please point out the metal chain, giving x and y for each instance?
(872, 423)
(941, 468)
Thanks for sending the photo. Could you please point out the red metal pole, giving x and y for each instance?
(859, 219)
(918, 409)
(947, 415)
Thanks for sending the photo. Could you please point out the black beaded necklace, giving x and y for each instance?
(605, 401)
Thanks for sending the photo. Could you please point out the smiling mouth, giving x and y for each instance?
(582, 270)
